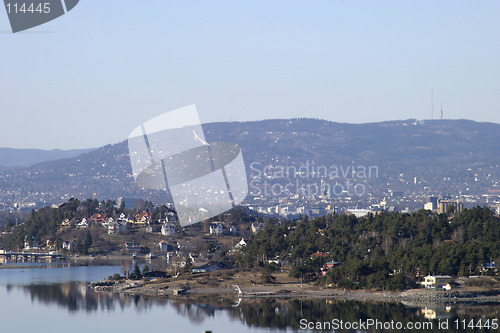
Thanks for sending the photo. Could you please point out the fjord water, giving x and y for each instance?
(56, 299)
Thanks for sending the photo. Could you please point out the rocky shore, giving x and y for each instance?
(414, 297)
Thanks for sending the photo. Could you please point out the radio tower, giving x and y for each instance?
(432, 104)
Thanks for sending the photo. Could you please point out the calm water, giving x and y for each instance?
(56, 299)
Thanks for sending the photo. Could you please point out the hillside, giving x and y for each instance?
(11, 158)
(387, 251)
(448, 156)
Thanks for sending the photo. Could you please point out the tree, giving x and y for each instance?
(136, 274)
(88, 241)
(397, 282)
(266, 275)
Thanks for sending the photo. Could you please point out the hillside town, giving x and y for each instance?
(243, 238)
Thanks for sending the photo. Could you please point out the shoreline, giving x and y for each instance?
(117, 259)
(215, 284)
(413, 297)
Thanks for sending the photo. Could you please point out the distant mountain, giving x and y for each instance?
(11, 158)
(436, 156)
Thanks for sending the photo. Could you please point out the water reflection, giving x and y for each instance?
(279, 314)
(285, 314)
(436, 312)
(77, 296)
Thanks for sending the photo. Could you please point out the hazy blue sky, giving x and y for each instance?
(91, 76)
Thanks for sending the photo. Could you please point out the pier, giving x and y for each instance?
(30, 256)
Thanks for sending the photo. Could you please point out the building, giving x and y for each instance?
(489, 266)
(163, 246)
(205, 269)
(107, 222)
(122, 227)
(432, 203)
(67, 245)
(66, 223)
(429, 206)
(437, 282)
(233, 230)
(240, 245)
(83, 223)
(358, 212)
(115, 227)
(142, 218)
(122, 219)
(319, 254)
(168, 229)
(256, 227)
(444, 205)
(133, 247)
(98, 218)
(329, 265)
(216, 228)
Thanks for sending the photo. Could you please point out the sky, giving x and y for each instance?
(89, 77)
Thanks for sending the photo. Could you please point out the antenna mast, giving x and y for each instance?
(432, 103)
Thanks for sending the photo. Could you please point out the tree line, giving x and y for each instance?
(384, 251)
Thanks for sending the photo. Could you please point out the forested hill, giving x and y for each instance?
(446, 156)
(387, 251)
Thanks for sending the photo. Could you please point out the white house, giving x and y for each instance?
(358, 212)
(256, 227)
(122, 219)
(437, 281)
(168, 229)
(429, 206)
(67, 245)
(115, 227)
(106, 222)
(216, 228)
(83, 223)
(240, 245)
